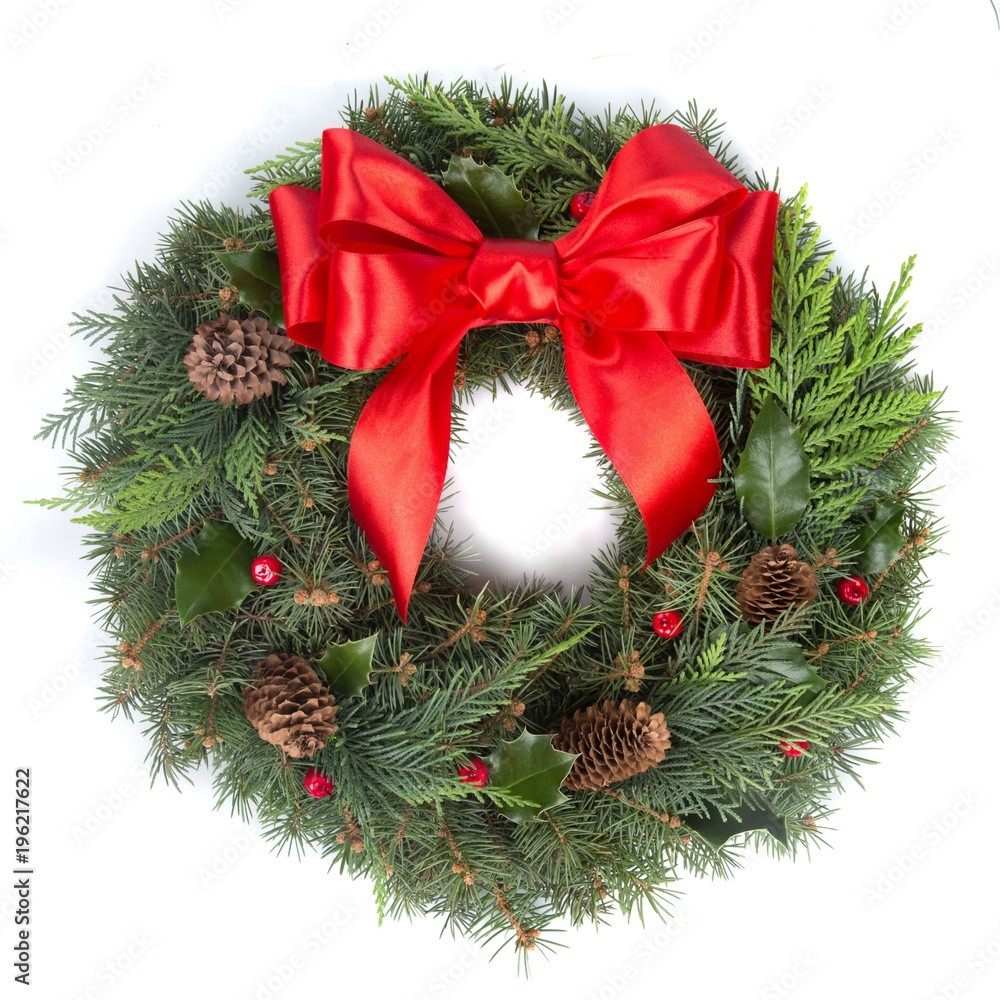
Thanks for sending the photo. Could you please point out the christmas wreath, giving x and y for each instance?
(261, 488)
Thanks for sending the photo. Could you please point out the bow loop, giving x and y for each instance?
(369, 191)
(515, 281)
(661, 180)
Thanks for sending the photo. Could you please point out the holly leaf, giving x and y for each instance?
(789, 661)
(256, 275)
(717, 830)
(772, 478)
(490, 198)
(216, 575)
(533, 770)
(348, 666)
(881, 541)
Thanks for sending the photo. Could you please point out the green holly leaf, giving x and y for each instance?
(348, 666)
(256, 275)
(216, 576)
(772, 478)
(881, 541)
(490, 198)
(533, 770)
(717, 830)
(788, 660)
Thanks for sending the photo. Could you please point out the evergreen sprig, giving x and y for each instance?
(152, 461)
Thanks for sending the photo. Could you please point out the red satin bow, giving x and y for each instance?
(673, 259)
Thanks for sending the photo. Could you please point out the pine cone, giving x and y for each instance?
(289, 705)
(230, 361)
(614, 742)
(775, 580)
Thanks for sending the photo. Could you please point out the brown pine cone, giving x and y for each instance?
(231, 361)
(614, 742)
(289, 705)
(775, 581)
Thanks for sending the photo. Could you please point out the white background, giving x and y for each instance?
(143, 892)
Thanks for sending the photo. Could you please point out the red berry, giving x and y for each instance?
(852, 590)
(317, 784)
(266, 570)
(580, 204)
(474, 773)
(668, 624)
(795, 748)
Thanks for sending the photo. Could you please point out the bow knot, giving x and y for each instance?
(673, 259)
(515, 281)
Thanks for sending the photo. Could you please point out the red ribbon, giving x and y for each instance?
(672, 260)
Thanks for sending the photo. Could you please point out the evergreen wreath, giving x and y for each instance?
(505, 760)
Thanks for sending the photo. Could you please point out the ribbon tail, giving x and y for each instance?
(650, 421)
(398, 460)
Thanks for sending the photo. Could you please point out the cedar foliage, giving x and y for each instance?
(153, 460)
